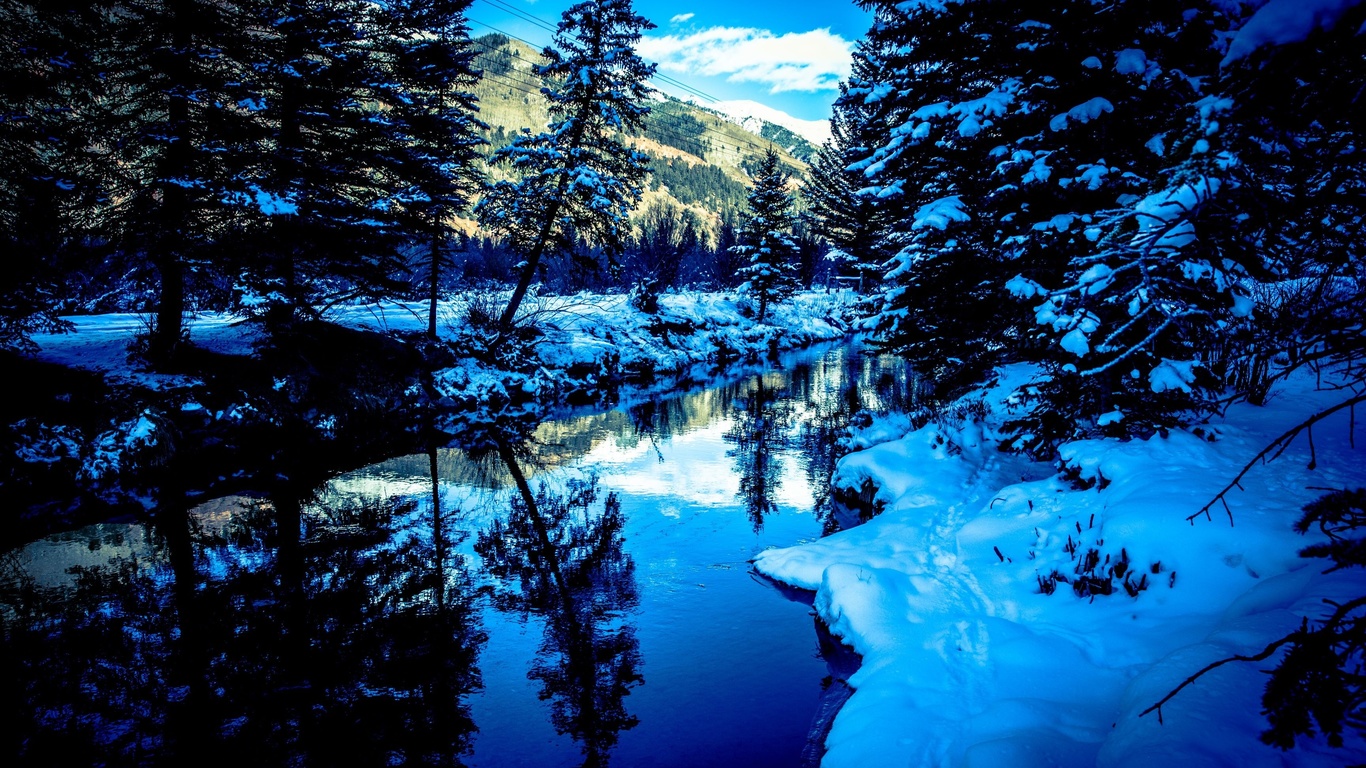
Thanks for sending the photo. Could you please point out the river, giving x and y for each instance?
(570, 592)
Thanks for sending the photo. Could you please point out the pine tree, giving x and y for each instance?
(436, 160)
(579, 171)
(923, 120)
(172, 120)
(766, 237)
(1009, 163)
(322, 221)
(47, 90)
(850, 222)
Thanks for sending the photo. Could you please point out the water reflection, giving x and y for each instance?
(760, 423)
(559, 556)
(599, 559)
(263, 631)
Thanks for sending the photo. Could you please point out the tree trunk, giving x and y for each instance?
(533, 259)
(433, 286)
(170, 321)
(165, 337)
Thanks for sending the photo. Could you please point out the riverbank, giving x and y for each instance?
(91, 423)
(1016, 613)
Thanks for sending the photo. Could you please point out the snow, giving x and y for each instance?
(1076, 342)
(1082, 113)
(1131, 61)
(593, 330)
(815, 131)
(1281, 22)
(1161, 216)
(100, 343)
(938, 214)
(1173, 374)
(1112, 417)
(967, 663)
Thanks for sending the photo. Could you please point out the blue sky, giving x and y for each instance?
(788, 54)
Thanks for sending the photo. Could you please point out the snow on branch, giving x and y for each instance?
(1281, 22)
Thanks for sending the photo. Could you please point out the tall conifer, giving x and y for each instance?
(173, 114)
(578, 177)
(766, 237)
(435, 157)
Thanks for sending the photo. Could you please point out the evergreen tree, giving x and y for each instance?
(766, 237)
(848, 221)
(1008, 162)
(47, 88)
(431, 113)
(578, 172)
(725, 266)
(321, 211)
(924, 118)
(173, 119)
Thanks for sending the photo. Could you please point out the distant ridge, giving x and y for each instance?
(746, 112)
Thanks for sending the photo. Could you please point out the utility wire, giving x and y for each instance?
(534, 89)
(715, 139)
(550, 26)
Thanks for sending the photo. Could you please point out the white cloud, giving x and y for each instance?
(794, 61)
(682, 17)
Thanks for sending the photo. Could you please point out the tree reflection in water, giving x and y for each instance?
(761, 419)
(261, 632)
(341, 625)
(559, 556)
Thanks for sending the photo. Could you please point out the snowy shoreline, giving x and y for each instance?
(966, 662)
(360, 373)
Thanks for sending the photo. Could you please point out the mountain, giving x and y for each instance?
(816, 132)
(702, 158)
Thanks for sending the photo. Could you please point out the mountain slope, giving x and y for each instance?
(701, 158)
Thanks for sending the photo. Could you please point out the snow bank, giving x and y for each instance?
(1281, 22)
(585, 329)
(968, 663)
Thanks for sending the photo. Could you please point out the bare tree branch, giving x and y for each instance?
(1278, 445)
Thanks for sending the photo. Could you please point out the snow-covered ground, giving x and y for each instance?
(591, 342)
(967, 663)
(585, 329)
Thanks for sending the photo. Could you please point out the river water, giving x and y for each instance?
(571, 592)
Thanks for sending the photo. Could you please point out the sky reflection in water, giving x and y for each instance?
(578, 595)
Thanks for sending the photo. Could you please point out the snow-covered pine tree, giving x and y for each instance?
(47, 88)
(1140, 321)
(1010, 162)
(765, 237)
(1289, 111)
(579, 172)
(171, 121)
(435, 160)
(935, 82)
(849, 222)
(322, 225)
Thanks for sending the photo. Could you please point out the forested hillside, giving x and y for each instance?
(702, 160)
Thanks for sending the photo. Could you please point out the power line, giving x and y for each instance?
(717, 140)
(554, 28)
(517, 83)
